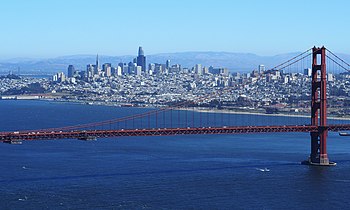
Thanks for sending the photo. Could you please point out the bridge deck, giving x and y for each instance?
(47, 135)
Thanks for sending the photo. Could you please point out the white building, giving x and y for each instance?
(330, 77)
(261, 68)
(119, 71)
(138, 70)
(198, 69)
(59, 77)
(308, 72)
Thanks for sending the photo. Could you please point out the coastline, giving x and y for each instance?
(226, 111)
(196, 109)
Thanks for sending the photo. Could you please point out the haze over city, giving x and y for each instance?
(45, 29)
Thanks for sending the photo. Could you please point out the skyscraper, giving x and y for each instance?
(107, 69)
(141, 59)
(90, 70)
(261, 69)
(198, 69)
(97, 66)
(167, 64)
(138, 70)
(71, 71)
(131, 68)
(119, 71)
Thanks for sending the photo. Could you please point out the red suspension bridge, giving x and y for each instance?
(175, 120)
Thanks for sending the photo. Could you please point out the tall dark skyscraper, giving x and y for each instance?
(71, 70)
(167, 64)
(141, 59)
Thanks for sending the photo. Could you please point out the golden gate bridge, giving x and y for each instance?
(173, 120)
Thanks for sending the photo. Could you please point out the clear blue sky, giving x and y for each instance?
(48, 28)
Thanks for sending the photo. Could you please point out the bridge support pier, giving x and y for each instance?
(318, 155)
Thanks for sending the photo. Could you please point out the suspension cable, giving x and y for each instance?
(341, 66)
(338, 58)
(283, 67)
(122, 119)
(274, 68)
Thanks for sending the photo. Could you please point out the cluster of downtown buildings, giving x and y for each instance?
(136, 67)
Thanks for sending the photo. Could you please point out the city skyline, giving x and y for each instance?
(234, 62)
(40, 29)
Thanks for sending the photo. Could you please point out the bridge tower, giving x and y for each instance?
(318, 155)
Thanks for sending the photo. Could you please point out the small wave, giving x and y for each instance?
(263, 169)
(23, 199)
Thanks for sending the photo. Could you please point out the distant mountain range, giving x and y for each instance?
(241, 62)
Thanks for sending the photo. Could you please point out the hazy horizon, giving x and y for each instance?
(135, 54)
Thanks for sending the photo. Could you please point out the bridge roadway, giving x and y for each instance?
(12, 137)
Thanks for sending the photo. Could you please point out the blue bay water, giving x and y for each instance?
(172, 172)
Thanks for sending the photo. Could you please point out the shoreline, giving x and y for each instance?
(256, 113)
(196, 109)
